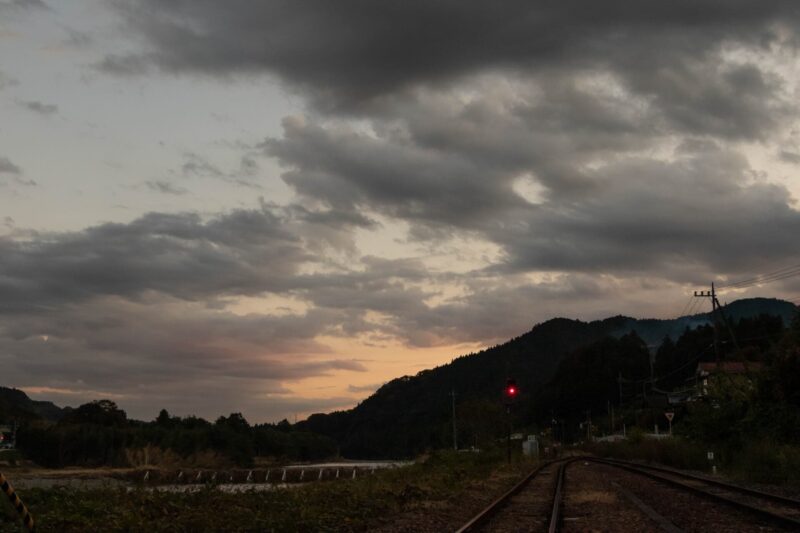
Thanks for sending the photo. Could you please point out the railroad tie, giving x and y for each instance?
(26, 516)
(662, 522)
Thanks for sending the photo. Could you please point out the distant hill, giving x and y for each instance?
(412, 413)
(409, 414)
(16, 405)
(653, 331)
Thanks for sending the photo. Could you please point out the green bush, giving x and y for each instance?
(760, 461)
(764, 462)
(676, 452)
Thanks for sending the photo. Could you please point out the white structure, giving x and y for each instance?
(530, 447)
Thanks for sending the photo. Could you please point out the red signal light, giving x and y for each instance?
(511, 389)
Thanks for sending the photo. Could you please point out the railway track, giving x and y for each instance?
(776, 509)
(537, 502)
(534, 503)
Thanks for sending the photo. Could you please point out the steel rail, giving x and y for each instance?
(558, 496)
(779, 519)
(498, 504)
(722, 484)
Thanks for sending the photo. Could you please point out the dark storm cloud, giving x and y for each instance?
(653, 216)
(347, 169)
(366, 47)
(702, 95)
(436, 156)
(604, 206)
(351, 51)
(181, 256)
(243, 252)
(461, 105)
(40, 107)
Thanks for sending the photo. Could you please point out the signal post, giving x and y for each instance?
(509, 397)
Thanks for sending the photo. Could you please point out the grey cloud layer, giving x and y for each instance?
(457, 102)
(605, 207)
(129, 310)
(357, 49)
(244, 252)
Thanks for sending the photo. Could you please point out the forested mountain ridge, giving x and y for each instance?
(412, 413)
(653, 330)
(16, 405)
(408, 415)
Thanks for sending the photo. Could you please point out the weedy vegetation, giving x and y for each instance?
(344, 505)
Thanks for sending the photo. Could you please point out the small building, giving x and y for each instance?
(741, 371)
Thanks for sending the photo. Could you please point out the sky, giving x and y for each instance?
(275, 207)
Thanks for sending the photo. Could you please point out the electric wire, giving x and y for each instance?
(757, 278)
(777, 275)
(690, 310)
(686, 306)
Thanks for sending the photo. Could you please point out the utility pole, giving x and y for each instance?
(455, 438)
(619, 380)
(508, 439)
(611, 411)
(588, 426)
(717, 315)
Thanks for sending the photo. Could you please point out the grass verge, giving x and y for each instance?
(345, 505)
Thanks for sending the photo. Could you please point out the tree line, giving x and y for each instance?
(100, 433)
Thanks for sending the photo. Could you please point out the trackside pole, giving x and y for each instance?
(26, 516)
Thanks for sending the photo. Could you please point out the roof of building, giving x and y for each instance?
(729, 367)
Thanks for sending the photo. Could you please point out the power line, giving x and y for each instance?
(686, 305)
(776, 275)
(694, 307)
(759, 277)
